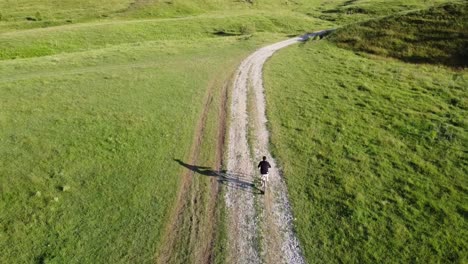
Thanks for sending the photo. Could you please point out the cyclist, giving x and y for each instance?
(264, 166)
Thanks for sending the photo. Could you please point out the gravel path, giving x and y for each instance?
(260, 227)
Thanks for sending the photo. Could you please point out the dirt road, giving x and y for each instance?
(259, 226)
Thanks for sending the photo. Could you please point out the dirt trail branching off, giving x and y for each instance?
(191, 231)
(260, 227)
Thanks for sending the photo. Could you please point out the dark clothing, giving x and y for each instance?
(264, 165)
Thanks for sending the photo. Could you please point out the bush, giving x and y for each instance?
(247, 29)
(38, 16)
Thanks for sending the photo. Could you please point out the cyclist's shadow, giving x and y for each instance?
(230, 179)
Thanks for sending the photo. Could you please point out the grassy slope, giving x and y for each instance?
(437, 35)
(91, 119)
(20, 14)
(87, 115)
(40, 13)
(88, 142)
(350, 11)
(374, 151)
(80, 37)
(25, 14)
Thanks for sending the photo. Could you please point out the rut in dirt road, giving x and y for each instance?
(259, 226)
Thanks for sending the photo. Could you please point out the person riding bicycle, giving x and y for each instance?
(264, 166)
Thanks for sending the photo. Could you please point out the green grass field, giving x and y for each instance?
(99, 97)
(92, 117)
(374, 151)
(88, 142)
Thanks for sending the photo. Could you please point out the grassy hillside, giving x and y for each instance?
(88, 36)
(351, 11)
(92, 117)
(437, 35)
(22, 14)
(99, 98)
(374, 151)
(87, 146)
(41, 13)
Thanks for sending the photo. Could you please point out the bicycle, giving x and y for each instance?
(263, 182)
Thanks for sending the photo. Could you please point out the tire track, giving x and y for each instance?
(191, 230)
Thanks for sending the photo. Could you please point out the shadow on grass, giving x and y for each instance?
(221, 33)
(230, 179)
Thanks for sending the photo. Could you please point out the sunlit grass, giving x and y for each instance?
(87, 147)
(373, 152)
(98, 98)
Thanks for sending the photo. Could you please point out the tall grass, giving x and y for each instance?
(436, 35)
